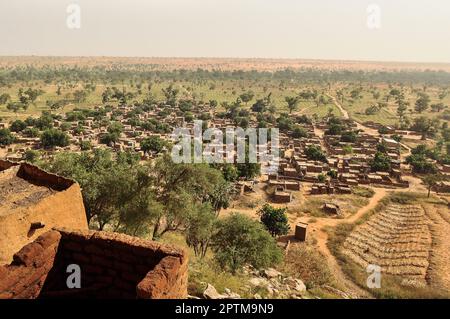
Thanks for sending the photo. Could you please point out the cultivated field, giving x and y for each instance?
(397, 239)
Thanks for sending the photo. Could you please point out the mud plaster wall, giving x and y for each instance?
(26, 275)
(112, 266)
(64, 208)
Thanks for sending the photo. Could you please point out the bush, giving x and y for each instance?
(31, 156)
(299, 132)
(363, 191)
(240, 240)
(308, 264)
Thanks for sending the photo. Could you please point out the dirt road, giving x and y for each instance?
(318, 229)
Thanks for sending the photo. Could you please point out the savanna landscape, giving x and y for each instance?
(364, 166)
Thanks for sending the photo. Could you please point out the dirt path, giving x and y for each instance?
(339, 106)
(318, 228)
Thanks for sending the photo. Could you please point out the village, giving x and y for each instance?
(330, 162)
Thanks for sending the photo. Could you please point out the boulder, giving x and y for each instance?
(258, 281)
(211, 293)
(271, 273)
(296, 284)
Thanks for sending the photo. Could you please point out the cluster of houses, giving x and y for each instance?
(347, 164)
(340, 171)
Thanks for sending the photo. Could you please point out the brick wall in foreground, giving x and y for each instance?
(112, 266)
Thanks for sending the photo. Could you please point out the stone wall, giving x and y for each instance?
(112, 266)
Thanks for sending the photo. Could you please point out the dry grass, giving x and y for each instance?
(312, 206)
(305, 262)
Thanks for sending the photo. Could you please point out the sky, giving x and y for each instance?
(392, 30)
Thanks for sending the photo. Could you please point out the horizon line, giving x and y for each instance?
(225, 58)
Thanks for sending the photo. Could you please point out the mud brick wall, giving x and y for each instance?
(117, 266)
(64, 208)
(39, 177)
(26, 275)
(112, 266)
(6, 164)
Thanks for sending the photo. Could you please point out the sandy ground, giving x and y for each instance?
(317, 230)
(160, 63)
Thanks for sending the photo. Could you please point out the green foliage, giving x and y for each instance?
(6, 138)
(349, 137)
(200, 227)
(314, 153)
(247, 96)
(31, 132)
(299, 132)
(321, 178)
(380, 163)
(85, 145)
(152, 144)
(275, 220)
(53, 137)
(333, 174)
(292, 102)
(4, 98)
(240, 240)
(31, 156)
(114, 191)
(422, 103)
(18, 126)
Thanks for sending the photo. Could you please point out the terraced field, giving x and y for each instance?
(397, 239)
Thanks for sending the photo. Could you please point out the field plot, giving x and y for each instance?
(397, 239)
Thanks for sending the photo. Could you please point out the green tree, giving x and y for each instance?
(314, 153)
(422, 103)
(152, 144)
(6, 138)
(381, 162)
(53, 137)
(240, 240)
(430, 181)
(31, 156)
(247, 97)
(171, 95)
(4, 98)
(275, 220)
(18, 126)
(299, 132)
(80, 96)
(292, 102)
(200, 228)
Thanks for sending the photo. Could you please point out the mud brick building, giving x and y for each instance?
(43, 230)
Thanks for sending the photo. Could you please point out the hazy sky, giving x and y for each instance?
(411, 30)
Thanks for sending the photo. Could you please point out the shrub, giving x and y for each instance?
(240, 240)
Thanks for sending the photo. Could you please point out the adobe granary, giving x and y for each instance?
(111, 265)
(33, 201)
